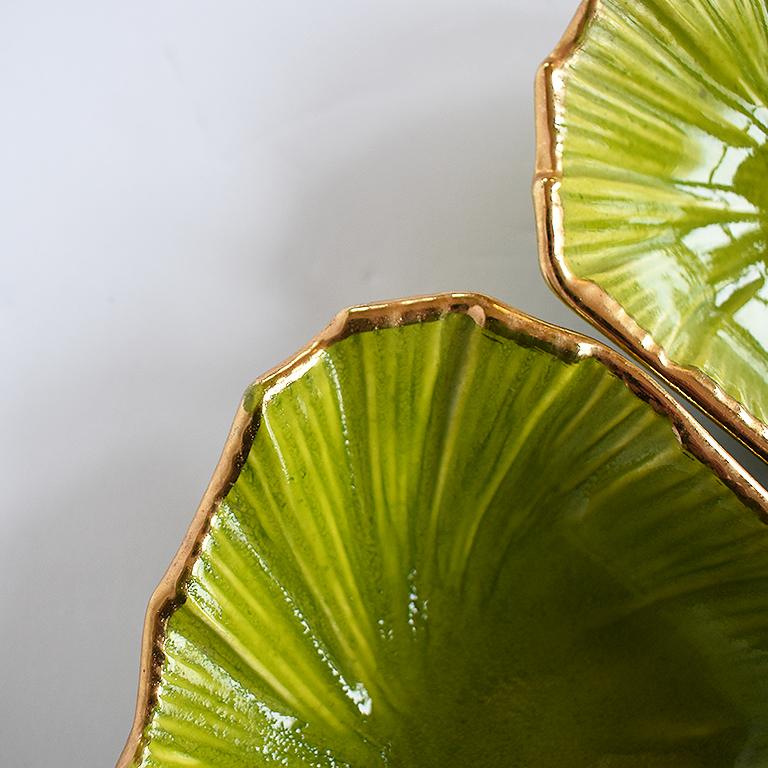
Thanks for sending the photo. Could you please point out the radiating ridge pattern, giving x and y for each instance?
(452, 546)
(663, 125)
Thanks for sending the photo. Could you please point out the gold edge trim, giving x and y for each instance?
(587, 297)
(165, 597)
(688, 431)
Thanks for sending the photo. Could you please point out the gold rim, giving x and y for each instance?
(585, 296)
(692, 437)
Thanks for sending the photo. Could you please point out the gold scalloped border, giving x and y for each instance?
(692, 437)
(585, 296)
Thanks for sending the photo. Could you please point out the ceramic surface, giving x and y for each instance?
(652, 194)
(447, 534)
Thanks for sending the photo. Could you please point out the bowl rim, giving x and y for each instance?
(586, 296)
(692, 437)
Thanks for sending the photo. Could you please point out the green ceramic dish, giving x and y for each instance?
(446, 534)
(652, 191)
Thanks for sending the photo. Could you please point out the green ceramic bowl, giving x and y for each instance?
(446, 534)
(652, 191)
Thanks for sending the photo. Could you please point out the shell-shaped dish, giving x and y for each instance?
(447, 534)
(652, 191)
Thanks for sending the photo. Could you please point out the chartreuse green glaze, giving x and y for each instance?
(665, 178)
(454, 546)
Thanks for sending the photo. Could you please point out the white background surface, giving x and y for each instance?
(188, 192)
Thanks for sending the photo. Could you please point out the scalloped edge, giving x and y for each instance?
(692, 437)
(586, 296)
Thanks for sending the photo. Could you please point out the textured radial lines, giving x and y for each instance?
(459, 537)
(651, 191)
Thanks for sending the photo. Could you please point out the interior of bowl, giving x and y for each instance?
(451, 535)
(654, 124)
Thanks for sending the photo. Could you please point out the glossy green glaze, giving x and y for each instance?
(662, 125)
(455, 546)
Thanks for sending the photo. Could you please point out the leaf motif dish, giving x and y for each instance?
(652, 191)
(448, 534)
